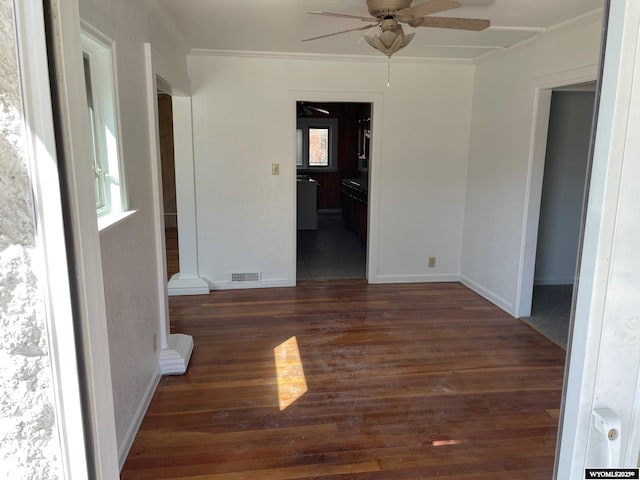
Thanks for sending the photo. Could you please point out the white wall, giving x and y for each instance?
(565, 172)
(129, 248)
(504, 104)
(244, 120)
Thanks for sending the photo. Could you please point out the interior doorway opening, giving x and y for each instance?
(168, 172)
(332, 189)
(562, 207)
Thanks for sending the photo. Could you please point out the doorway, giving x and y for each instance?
(561, 210)
(332, 189)
(167, 170)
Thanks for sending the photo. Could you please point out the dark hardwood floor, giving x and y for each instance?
(400, 382)
(173, 258)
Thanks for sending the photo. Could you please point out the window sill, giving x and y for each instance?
(110, 220)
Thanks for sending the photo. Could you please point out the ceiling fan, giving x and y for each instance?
(306, 110)
(389, 14)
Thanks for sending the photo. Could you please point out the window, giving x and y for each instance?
(103, 132)
(317, 144)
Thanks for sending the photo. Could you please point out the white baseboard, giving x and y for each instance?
(134, 426)
(181, 285)
(489, 295)
(417, 278)
(175, 358)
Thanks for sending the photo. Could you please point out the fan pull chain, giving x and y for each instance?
(389, 73)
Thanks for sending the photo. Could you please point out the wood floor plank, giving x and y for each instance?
(172, 255)
(403, 382)
(280, 473)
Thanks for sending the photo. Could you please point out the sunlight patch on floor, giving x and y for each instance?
(442, 443)
(292, 383)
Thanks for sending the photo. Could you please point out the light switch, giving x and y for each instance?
(275, 169)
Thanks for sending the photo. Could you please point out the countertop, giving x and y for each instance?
(356, 183)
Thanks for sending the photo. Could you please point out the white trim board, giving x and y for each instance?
(418, 278)
(187, 285)
(374, 58)
(174, 359)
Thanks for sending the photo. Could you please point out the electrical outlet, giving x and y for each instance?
(275, 169)
(155, 342)
(432, 262)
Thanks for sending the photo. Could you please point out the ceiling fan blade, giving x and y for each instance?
(307, 110)
(474, 24)
(338, 33)
(323, 111)
(342, 15)
(429, 7)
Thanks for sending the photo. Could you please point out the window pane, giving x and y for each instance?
(299, 159)
(103, 133)
(98, 177)
(318, 147)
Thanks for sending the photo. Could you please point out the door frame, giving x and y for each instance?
(535, 174)
(373, 210)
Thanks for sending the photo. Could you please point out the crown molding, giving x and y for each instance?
(558, 29)
(204, 52)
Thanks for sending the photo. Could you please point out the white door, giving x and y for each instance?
(603, 368)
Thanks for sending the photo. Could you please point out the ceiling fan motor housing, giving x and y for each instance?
(384, 8)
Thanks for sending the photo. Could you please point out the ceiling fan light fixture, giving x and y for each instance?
(390, 40)
(407, 39)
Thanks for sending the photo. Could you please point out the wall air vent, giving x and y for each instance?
(245, 277)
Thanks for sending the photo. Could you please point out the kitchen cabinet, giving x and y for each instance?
(355, 202)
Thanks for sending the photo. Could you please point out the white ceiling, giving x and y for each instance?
(280, 25)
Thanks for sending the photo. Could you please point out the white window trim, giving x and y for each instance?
(332, 124)
(101, 54)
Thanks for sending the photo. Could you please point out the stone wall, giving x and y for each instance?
(29, 447)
